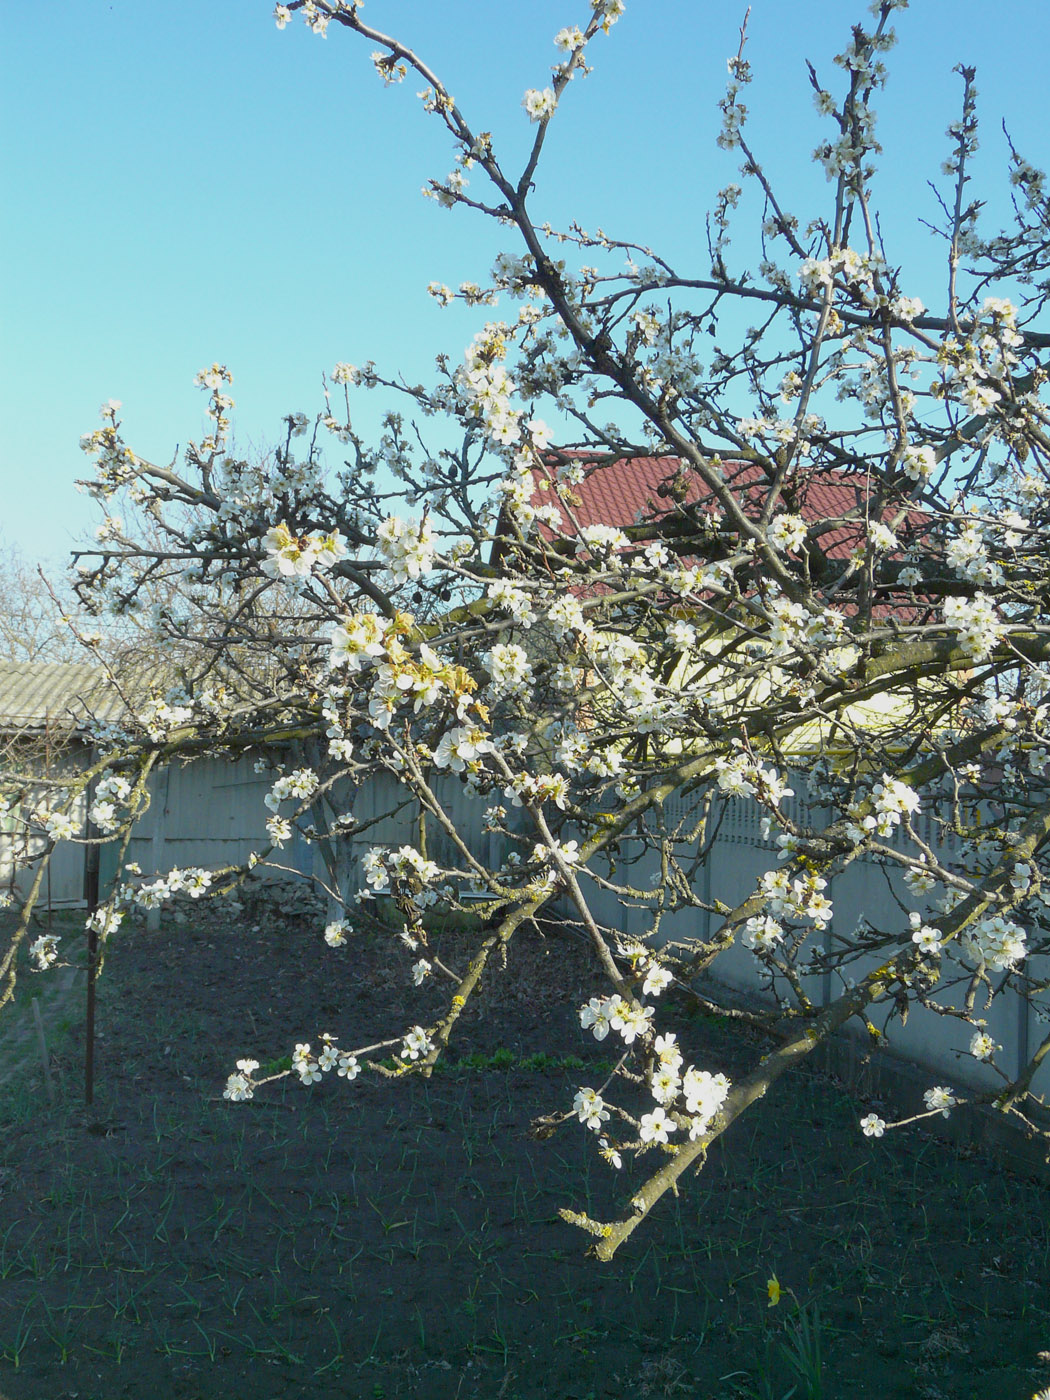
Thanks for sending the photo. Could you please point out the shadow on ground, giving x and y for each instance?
(398, 1239)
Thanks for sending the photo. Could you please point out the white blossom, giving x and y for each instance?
(939, 1100)
(539, 104)
(655, 1126)
(590, 1109)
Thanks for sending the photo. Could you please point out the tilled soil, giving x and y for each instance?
(401, 1238)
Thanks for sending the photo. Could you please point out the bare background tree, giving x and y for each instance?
(32, 605)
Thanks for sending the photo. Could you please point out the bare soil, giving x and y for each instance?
(388, 1239)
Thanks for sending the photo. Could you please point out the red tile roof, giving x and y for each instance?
(628, 492)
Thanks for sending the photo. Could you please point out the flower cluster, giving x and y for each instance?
(59, 826)
(602, 1014)
(111, 793)
(801, 898)
(44, 951)
(976, 622)
(939, 1100)
(291, 556)
(995, 942)
(742, 775)
(308, 1066)
(381, 866)
(297, 786)
(539, 105)
(787, 534)
(487, 387)
(162, 714)
(407, 547)
(510, 671)
(890, 801)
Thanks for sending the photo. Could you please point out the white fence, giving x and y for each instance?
(63, 883)
(212, 813)
(868, 890)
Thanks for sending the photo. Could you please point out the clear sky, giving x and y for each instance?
(183, 183)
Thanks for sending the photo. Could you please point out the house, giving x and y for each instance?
(638, 492)
(209, 812)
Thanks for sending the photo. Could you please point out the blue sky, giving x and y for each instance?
(186, 184)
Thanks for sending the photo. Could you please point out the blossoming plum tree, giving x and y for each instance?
(465, 630)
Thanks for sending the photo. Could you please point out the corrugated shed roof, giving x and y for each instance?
(60, 696)
(629, 492)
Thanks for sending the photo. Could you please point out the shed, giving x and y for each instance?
(47, 713)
